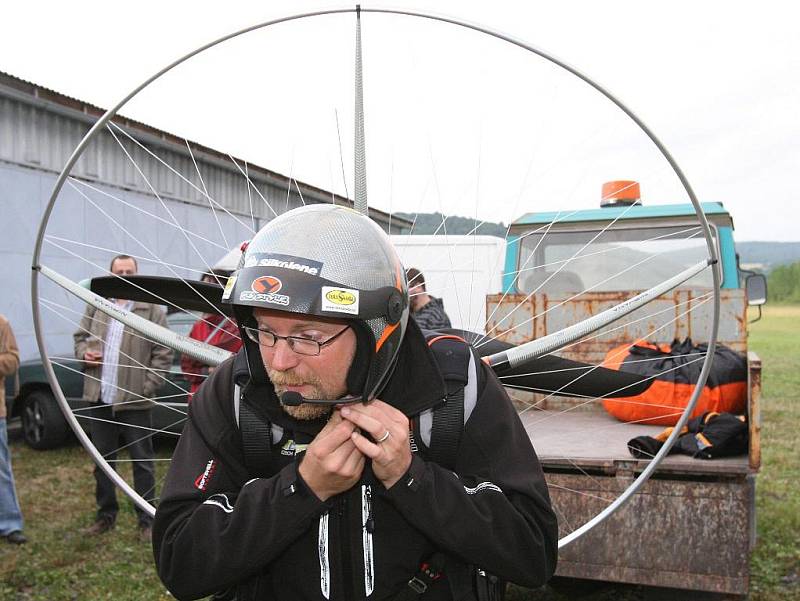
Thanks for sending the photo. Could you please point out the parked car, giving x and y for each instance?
(44, 425)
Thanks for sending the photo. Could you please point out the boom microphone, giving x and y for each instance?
(292, 398)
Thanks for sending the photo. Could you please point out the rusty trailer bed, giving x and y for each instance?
(690, 526)
(595, 441)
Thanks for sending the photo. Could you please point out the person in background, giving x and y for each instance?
(427, 311)
(214, 329)
(10, 514)
(122, 372)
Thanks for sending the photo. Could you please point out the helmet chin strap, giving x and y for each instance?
(358, 373)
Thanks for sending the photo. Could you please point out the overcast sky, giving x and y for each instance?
(718, 82)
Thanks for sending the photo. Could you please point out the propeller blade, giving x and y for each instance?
(551, 374)
(160, 334)
(191, 295)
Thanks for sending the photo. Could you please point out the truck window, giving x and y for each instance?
(618, 260)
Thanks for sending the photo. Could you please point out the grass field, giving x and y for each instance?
(56, 491)
(776, 562)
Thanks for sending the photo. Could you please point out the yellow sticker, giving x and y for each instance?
(340, 300)
(341, 297)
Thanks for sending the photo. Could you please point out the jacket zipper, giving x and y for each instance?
(345, 567)
(344, 559)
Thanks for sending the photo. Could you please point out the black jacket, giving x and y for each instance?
(217, 527)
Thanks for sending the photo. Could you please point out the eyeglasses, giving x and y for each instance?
(301, 346)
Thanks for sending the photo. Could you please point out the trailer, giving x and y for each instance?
(692, 525)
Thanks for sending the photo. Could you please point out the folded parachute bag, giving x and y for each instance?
(709, 436)
(674, 370)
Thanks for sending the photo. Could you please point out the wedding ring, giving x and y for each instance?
(384, 437)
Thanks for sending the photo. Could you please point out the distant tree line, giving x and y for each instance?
(784, 283)
(768, 254)
(431, 223)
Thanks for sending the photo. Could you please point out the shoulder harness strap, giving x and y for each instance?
(455, 361)
(256, 436)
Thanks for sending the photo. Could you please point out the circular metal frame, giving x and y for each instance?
(100, 124)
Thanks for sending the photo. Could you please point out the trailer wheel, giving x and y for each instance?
(43, 425)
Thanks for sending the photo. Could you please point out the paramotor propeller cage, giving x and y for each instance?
(102, 123)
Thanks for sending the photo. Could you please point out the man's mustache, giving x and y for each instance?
(287, 378)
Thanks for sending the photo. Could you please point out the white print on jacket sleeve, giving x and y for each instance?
(220, 501)
(366, 539)
(481, 487)
(324, 563)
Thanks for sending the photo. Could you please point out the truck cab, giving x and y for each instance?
(692, 525)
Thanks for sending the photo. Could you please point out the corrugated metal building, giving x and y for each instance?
(135, 189)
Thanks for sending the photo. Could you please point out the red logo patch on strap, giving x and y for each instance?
(203, 479)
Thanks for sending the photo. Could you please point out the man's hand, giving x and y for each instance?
(390, 454)
(93, 358)
(332, 464)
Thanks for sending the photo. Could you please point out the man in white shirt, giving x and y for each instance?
(122, 373)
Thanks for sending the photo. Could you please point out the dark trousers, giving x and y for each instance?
(129, 431)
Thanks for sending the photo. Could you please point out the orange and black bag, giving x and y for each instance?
(675, 369)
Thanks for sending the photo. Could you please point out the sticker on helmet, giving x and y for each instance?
(284, 261)
(340, 300)
(226, 294)
(265, 290)
(266, 284)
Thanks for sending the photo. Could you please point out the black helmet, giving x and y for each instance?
(334, 262)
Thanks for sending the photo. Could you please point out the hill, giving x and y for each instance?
(431, 223)
(768, 254)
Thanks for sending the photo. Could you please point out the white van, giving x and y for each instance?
(461, 270)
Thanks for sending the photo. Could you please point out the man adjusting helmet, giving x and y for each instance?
(340, 454)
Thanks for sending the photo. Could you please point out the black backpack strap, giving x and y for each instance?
(256, 436)
(453, 357)
(448, 423)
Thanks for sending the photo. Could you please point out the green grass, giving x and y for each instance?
(776, 562)
(56, 491)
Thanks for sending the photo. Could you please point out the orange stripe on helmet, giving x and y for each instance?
(387, 331)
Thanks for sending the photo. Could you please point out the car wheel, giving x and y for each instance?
(43, 424)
